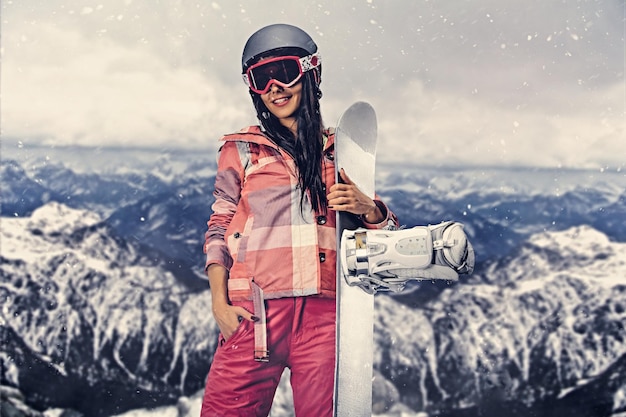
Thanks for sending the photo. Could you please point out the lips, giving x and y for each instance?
(281, 101)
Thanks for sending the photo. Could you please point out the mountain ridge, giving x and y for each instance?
(103, 289)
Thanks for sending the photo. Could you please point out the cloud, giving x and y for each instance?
(97, 92)
(516, 83)
(433, 127)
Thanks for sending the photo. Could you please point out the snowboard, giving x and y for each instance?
(355, 152)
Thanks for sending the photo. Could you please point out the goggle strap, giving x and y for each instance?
(309, 62)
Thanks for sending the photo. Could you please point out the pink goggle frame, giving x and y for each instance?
(283, 70)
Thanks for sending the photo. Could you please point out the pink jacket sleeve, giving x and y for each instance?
(389, 221)
(228, 181)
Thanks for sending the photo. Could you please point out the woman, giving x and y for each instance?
(272, 237)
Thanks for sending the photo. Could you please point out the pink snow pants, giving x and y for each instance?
(301, 336)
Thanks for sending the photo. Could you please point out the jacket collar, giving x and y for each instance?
(254, 134)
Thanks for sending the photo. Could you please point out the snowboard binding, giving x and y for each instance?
(386, 260)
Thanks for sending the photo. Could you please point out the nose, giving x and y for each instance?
(275, 87)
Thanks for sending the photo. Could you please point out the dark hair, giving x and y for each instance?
(307, 146)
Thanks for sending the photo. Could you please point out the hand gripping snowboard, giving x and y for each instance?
(355, 152)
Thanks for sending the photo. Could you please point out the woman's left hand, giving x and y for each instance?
(346, 196)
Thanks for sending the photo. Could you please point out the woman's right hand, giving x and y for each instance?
(228, 317)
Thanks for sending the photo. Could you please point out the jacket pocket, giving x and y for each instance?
(243, 330)
(239, 331)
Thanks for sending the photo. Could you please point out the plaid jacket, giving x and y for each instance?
(257, 230)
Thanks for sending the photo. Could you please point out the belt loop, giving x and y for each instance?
(261, 352)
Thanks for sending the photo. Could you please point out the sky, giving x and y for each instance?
(454, 83)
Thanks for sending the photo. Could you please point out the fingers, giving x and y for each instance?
(350, 199)
(244, 314)
(346, 196)
(344, 177)
(343, 189)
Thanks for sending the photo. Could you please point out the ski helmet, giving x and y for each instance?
(274, 37)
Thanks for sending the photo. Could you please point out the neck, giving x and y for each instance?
(290, 123)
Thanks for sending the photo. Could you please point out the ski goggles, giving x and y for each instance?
(283, 70)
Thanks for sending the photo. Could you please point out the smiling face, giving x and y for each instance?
(283, 102)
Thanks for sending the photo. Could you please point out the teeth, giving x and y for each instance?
(280, 100)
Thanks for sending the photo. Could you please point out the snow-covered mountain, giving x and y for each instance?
(165, 201)
(547, 320)
(105, 308)
(96, 323)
